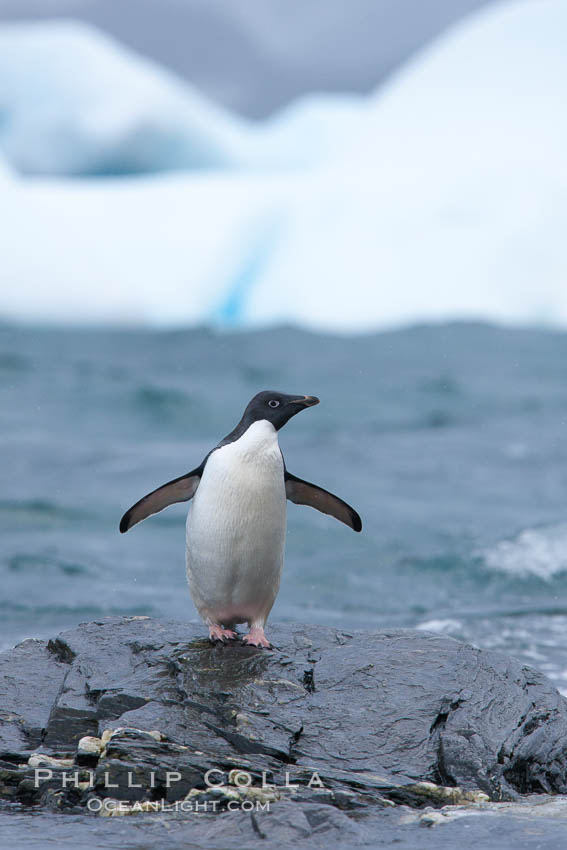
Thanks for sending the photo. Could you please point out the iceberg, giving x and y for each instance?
(128, 198)
(74, 102)
(77, 103)
(6, 173)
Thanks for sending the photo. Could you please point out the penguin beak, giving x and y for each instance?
(306, 401)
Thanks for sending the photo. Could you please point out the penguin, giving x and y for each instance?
(236, 524)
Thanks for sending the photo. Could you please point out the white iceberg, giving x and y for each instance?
(6, 173)
(75, 102)
(443, 195)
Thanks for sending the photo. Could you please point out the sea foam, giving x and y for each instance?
(540, 552)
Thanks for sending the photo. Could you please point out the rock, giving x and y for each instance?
(132, 715)
(89, 749)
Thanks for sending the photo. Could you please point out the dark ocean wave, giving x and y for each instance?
(30, 510)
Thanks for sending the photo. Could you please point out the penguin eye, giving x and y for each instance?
(274, 403)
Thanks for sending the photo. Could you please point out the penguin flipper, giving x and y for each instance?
(304, 493)
(179, 490)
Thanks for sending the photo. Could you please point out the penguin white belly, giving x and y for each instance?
(236, 530)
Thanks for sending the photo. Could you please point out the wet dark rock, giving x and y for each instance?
(329, 728)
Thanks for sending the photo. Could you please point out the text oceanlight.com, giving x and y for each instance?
(96, 804)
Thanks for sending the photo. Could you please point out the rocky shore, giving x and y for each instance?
(331, 733)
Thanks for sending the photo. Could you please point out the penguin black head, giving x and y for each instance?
(277, 408)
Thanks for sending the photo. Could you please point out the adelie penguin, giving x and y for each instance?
(237, 518)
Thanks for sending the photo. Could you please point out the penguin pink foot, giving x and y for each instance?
(217, 632)
(256, 637)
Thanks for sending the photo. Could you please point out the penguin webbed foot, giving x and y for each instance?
(219, 635)
(256, 637)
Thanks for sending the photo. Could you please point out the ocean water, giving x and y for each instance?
(450, 441)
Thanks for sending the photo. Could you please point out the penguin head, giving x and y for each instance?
(277, 408)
